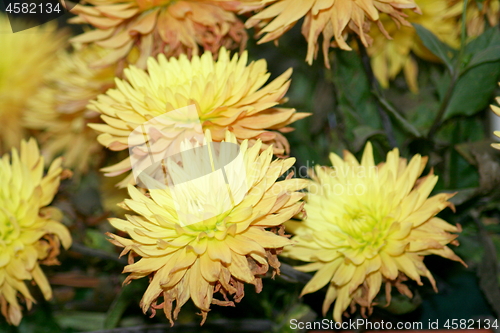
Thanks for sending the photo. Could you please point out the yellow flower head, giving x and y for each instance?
(367, 225)
(160, 26)
(226, 94)
(333, 19)
(478, 14)
(390, 56)
(211, 234)
(24, 58)
(59, 108)
(30, 231)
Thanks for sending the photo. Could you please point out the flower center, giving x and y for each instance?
(7, 230)
(358, 221)
(206, 183)
(364, 229)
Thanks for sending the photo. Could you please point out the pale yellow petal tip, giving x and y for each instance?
(495, 109)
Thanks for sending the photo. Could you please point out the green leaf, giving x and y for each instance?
(484, 49)
(437, 47)
(354, 86)
(478, 80)
(405, 124)
(491, 37)
(363, 134)
(473, 90)
(356, 102)
(96, 239)
(80, 320)
(120, 304)
(400, 304)
(128, 294)
(491, 54)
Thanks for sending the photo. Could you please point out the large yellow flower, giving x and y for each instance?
(367, 225)
(227, 94)
(332, 18)
(390, 56)
(211, 234)
(25, 57)
(478, 14)
(59, 108)
(30, 231)
(160, 26)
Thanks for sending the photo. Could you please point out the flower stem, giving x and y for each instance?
(443, 107)
(455, 75)
(384, 117)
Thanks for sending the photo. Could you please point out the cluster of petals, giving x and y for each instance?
(333, 19)
(227, 94)
(159, 26)
(30, 229)
(59, 108)
(391, 56)
(197, 241)
(477, 14)
(25, 58)
(369, 225)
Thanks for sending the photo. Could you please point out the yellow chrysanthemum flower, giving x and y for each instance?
(228, 95)
(333, 19)
(60, 110)
(25, 57)
(30, 231)
(390, 56)
(478, 14)
(214, 234)
(160, 26)
(367, 225)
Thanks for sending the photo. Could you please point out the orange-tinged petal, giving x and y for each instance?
(239, 268)
(210, 269)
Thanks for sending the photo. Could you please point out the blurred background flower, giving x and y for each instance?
(59, 108)
(25, 58)
(390, 56)
(333, 19)
(480, 14)
(160, 26)
(30, 229)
